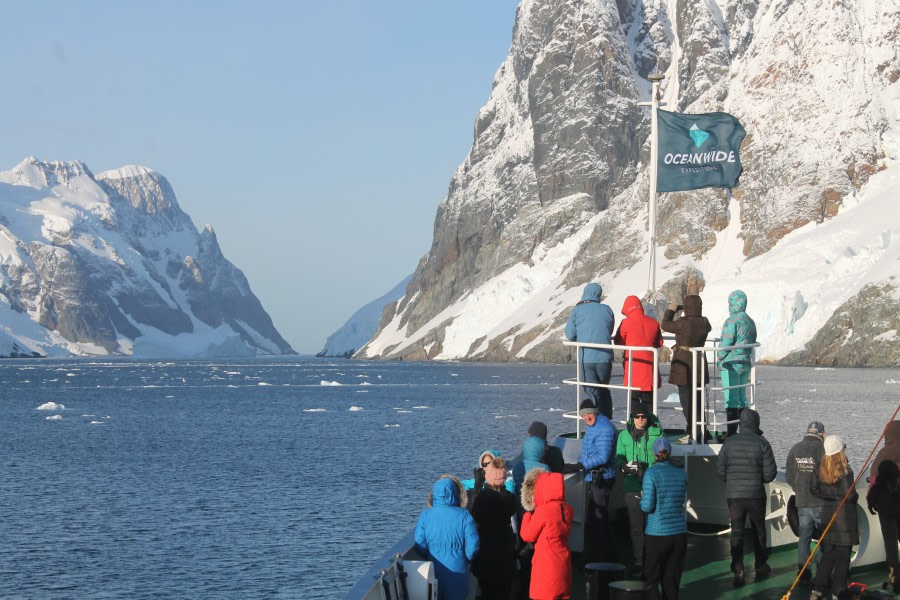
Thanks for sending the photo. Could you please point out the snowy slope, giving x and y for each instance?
(110, 264)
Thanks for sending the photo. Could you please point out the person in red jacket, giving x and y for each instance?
(547, 523)
(637, 329)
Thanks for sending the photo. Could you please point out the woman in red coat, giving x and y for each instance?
(547, 524)
(637, 329)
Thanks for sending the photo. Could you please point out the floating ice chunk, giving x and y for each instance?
(556, 410)
(232, 372)
(891, 381)
(555, 387)
(813, 390)
(454, 374)
(98, 422)
(355, 408)
(365, 383)
(51, 406)
(672, 398)
(824, 369)
(785, 401)
(314, 410)
(54, 418)
(361, 391)
(403, 411)
(263, 384)
(362, 376)
(323, 382)
(420, 407)
(391, 425)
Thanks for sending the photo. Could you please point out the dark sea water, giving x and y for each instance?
(264, 479)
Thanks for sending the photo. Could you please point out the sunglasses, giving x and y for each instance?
(640, 416)
(485, 464)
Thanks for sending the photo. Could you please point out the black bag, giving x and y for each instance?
(526, 550)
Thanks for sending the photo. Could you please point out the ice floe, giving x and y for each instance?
(324, 382)
(314, 410)
(51, 406)
(54, 418)
(355, 408)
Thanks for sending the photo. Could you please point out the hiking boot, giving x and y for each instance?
(763, 570)
(738, 575)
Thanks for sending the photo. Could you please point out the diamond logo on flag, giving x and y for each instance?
(698, 135)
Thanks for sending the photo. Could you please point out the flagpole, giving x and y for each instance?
(654, 105)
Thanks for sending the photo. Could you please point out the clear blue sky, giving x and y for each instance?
(316, 137)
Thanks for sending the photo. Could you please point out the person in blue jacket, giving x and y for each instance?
(592, 322)
(533, 450)
(663, 496)
(737, 330)
(446, 535)
(598, 460)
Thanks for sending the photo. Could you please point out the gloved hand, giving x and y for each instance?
(572, 468)
(872, 510)
(630, 468)
(479, 478)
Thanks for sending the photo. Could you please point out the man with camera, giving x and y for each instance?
(634, 454)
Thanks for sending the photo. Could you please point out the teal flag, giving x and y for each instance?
(698, 151)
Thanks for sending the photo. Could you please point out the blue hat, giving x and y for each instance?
(662, 444)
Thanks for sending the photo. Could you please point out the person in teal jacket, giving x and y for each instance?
(634, 454)
(738, 329)
(664, 493)
(446, 535)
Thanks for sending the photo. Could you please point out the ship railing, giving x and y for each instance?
(706, 396)
(699, 393)
(580, 383)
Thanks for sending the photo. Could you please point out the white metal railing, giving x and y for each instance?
(699, 395)
(578, 382)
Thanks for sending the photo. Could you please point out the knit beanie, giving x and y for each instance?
(495, 473)
(587, 408)
(833, 445)
(538, 429)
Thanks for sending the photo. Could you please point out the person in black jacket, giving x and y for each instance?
(831, 482)
(884, 500)
(803, 459)
(493, 510)
(746, 463)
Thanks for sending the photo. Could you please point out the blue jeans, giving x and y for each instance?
(809, 523)
(599, 373)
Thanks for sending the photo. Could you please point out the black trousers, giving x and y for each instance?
(738, 511)
(636, 518)
(602, 540)
(834, 562)
(684, 396)
(663, 563)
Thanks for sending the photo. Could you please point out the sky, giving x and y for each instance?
(317, 138)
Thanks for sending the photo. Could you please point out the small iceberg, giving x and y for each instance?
(263, 384)
(420, 407)
(556, 410)
(54, 418)
(98, 422)
(51, 406)
(365, 383)
(313, 410)
(392, 425)
(890, 381)
(355, 408)
(361, 391)
(324, 382)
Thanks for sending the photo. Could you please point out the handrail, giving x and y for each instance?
(578, 383)
(751, 383)
(695, 389)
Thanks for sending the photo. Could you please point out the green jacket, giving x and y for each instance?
(629, 449)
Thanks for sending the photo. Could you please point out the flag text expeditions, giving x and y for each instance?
(698, 151)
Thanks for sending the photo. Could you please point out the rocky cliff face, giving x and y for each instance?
(553, 193)
(110, 264)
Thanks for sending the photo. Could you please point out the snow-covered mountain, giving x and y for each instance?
(109, 264)
(362, 325)
(553, 193)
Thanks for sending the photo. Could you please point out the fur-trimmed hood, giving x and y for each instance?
(448, 491)
(528, 484)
